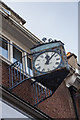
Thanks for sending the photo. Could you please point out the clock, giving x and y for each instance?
(49, 64)
(47, 61)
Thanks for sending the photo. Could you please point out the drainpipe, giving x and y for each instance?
(73, 95)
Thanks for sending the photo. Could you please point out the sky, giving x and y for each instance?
(56, 20)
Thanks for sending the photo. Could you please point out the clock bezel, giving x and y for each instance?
(42, 53)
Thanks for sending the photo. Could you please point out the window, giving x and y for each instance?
(3, 47)
(29, 66)
(17, 55)
(12, 52)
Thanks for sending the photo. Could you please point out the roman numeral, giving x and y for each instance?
(41, 56)
(38, 60)
(53, 67)
(37, 64)
(58, 59)
(48, 69)
(43, 70)
(56, 55)
(39, 67)
(57, 62)
(53, 53)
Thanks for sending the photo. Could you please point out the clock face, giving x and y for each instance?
(47, 61)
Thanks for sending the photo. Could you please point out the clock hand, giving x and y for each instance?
(47, 62)
(47, 57)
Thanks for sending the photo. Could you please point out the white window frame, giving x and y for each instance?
(8, 47)
(15, 45)
(9, 60)
(27, 65)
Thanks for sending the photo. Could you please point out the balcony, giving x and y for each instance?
(17, 73)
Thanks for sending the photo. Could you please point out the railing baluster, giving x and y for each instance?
(45, 92)
(17, 74)
(48, 91)
(39, 90)
(20, 72)
(36, 92)
(23, 70)
(42, 92)
(25, 63)
(12, 75)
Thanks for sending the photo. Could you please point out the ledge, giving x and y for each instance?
(22, 105)
(5, 60)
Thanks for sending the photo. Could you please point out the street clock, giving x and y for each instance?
(49, 62)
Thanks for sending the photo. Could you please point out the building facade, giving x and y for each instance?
(16, 73)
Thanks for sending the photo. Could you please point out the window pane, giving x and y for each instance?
(29, 66)
(29, 63)
(3, 47)
(17, 55)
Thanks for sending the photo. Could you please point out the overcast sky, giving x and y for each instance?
(56, 20)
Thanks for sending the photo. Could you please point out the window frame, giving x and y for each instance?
(15, 46)
(9, 60)
(7, 41)
(29, 69)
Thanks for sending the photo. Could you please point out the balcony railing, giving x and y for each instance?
(19, 74)
(20, 71)
(40, 93)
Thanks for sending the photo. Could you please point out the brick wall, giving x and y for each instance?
(78, 102)
(23, 90)
(5, 74)
(59, 105)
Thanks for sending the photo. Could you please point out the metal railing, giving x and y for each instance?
(40, 93)
(18, 74)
